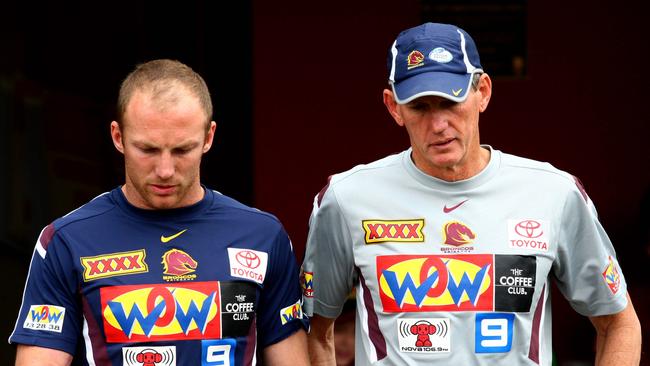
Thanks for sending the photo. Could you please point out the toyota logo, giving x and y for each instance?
(529, 228)
(248, 259)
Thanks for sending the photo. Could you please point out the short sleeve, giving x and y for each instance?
(50, 313)
(586, 268)
(328, 267)
(280, 307)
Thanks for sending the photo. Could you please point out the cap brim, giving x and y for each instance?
(451, 86)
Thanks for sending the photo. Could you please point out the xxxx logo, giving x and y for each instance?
(114, 264)
(149, 313)
(404, 231)
(411, 283)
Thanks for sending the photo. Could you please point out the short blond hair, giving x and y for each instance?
(161, 78)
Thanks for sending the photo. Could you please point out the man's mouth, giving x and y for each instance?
(443, 143)
(163, 189)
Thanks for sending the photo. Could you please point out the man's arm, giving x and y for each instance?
(289, 351)
(321, 341)
(40, 356)
(618, 339)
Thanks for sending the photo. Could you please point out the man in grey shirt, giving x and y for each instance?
(451, 245)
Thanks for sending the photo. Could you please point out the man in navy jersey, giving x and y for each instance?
(451, 245)
(162, 270)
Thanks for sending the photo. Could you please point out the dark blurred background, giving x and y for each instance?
(297, 93)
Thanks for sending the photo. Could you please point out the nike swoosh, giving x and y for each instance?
(448, 210)
(456, 92)
(166, 239)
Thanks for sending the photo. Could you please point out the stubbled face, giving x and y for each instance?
(444, 135)
(163, 142)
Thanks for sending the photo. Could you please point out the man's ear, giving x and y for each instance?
(209, 137)
(485, 89)
(392, 106)
(116, 135)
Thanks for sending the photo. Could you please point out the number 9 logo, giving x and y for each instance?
(494, 332)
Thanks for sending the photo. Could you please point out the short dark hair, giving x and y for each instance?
(159, 77)
(475, 79)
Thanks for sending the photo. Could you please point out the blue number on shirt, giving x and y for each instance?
(218, 352)
(494, 332)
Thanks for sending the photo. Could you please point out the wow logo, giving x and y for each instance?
(611, 276)
(45, 317)
(409, 283)
(148, 313)
(291, 312)
(307, 283)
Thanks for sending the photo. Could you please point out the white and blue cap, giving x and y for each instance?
(432, 59)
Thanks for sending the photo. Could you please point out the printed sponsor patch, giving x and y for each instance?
(45, 317)
(456, 236)
(248, 264)
(493, 332)
(514, 282)
(415, 283)
(157, 312)
(611, 276)
(149, 356)
(291, 312)
(178, 266)
(307, 282)
(528, 234)
(237, 308)
(218, 352)
(397, 231)
(440, 54)
(430, 335)
(113, 264)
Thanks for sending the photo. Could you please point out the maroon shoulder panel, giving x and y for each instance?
(322, 191)
(46, 236)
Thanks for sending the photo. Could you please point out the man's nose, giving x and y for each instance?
(165, 166)
(439, 121)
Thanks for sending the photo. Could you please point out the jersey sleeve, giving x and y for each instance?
(328, 267)
(50, 315)
(586, 268)
(280, 308)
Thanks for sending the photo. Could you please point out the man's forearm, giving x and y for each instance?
(321, 353)
(618, 338)
(619, 346)
(321, 342)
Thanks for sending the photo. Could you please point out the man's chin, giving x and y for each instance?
(163, 202)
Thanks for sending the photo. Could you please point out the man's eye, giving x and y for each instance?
(419, 106)
(181, 151)
(148, 150)
(446, 104)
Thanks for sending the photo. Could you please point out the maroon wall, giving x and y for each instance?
(318, 79)
(319, 73)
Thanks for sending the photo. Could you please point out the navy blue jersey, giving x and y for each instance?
(207, 284)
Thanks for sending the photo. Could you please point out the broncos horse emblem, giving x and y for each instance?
(456, 234)
(177, 263)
